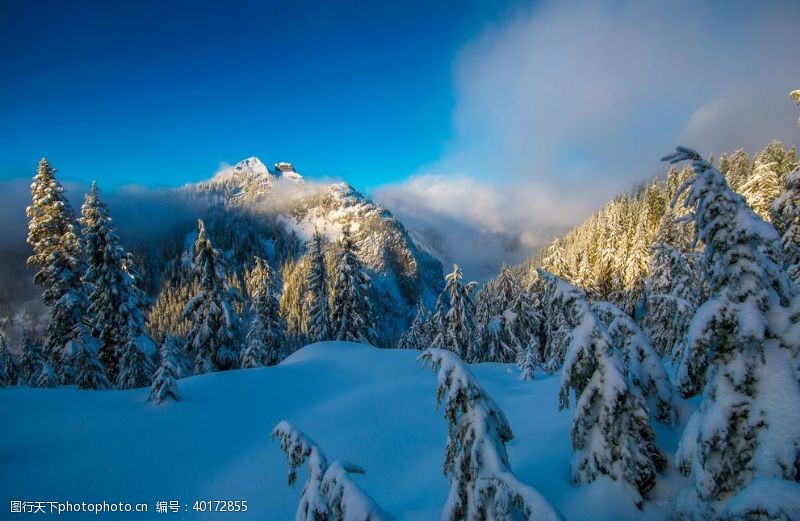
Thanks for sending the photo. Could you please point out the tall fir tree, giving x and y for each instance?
(53, 235)
(459, 321)
(214, 336)
(116, 301)
(416, 337)
(9, 370)
(267, 334)
(351, 309)
(319, 314)
(744, 339)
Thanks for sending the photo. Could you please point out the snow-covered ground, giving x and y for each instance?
(373, 407)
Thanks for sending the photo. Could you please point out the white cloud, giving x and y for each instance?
(575, 101)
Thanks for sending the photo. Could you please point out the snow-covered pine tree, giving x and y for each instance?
(459, 322)
(175, 345)
(745, 432)
(673, 292)
(555, 261)
(527, 361)
(611, 432)
(267, 334)
(8, 367)
(761, 188)
(351, 309)
(53, 235)
(319, 315)
(116, 301)
(642, 365)
(415, 337)
(214, 336)
(557, 331)
(482, 485)
(165, 380)
(329, 494)
(31, 361)
(46, 377)
(785, 212)
(786, 218)
(436, 324)
(135, 367)
(89, 370)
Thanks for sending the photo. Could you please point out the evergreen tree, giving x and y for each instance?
(319, 315)
(46, 378)
(90, 374)
(267, 329)
(527, 362)
(329, 494)
(641, 362)
(53, 235)
(32, 360)
(415, 337)
(214, 335)
(351, 310)
(482, 484)
(165, 381)
(785, 212)
(437, 323)
(8, 368)
(117, 302)
(459, 322)
(611, 433)
(673, 291)
(745, 429)
(762, 188)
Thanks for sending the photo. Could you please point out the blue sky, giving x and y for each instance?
(161, 93)
(490, 125)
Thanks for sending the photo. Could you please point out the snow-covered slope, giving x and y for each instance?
(370, 406)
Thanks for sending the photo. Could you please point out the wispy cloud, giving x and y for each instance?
(575, 101)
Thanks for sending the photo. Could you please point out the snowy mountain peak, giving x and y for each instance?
(253, 166)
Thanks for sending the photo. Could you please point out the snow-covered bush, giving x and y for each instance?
(329, 493)
(482, 484)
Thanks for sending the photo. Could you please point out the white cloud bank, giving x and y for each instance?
(562, 105)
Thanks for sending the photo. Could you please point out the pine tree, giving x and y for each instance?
(641, 362)
(329, 493)
(436, 324)
(117, 302)
(8, 368)
(90, 374)
(215, 325)
(482, 484)
(527, 362)
(611, 433)
(762, 188)
(673, 291)
(785, 212)
(351, 310)
(415, 337)
(319, 316)
(459, 322)
(53, 235)
(745, 429)
(165, 381)
(32, 360)
(266, 336)
(46, 377)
